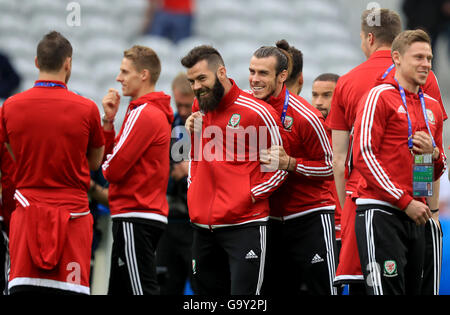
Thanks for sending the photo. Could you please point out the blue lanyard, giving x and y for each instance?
(49, 84)
(424, 110)
(387, 71)
(285, 107)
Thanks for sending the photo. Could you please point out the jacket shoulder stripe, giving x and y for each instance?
(134, 114)
(318, 128)
(266, 117)
(365, 142)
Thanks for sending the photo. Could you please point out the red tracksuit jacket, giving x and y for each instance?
(138, 166)
(381, 152)
(353, 85)
(307, 189)
(221, 180)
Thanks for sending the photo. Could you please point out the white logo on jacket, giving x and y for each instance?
(401, 109)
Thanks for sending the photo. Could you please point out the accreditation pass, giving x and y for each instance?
(423, 172)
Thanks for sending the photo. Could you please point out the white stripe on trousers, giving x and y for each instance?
(374, 269)
(7, 263)
(328, 237)
(262, 258)
(130, 257)
(437, 255)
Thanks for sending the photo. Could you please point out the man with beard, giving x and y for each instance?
(322, 94)
(301, 247)
(55, 137)
(228, 187)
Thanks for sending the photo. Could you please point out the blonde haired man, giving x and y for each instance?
(137, 168)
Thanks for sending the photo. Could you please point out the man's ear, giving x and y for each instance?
(371, 39)
(68, 64)
(396, 58)
(145, 75)
(300, 80)
(36, 63)
(283, 75)
(221, 73)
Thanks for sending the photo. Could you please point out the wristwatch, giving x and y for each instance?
(106, 120)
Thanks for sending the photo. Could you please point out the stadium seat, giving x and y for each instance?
(8, 7)
(45, 7)
(15, 46)
(41, 24)
(186, 44)
(81, 68)
(337, 53)
(105, 71)
(101, 48)
(13, 23)
(101, 8)
(238, 51)
(161, 45)
(318, 10)
(223, 28)
(93, 25)
(272, 10)
(86, 88)
(270, 31)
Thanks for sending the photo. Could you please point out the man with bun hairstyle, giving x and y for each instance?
(301, 237)
(294, 82)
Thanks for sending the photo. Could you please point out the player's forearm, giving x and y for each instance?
(433, 201)
(339, 179)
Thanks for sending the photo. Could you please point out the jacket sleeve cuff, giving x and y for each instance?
(403, 202)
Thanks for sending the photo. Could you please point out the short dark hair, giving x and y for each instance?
(389, 27)
(203, 52)
(296, 58)
(52, 51)
(284, 60)
(145, 58)
(332, 77)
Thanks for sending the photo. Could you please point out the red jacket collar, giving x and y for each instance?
(51, 81)
(381, 54)
(390, 79)
(278, 101)
(230, 97)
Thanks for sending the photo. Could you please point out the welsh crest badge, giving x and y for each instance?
(194, 267)
(430, 117)
(288, 121)
(234, 121)
(390, 268)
